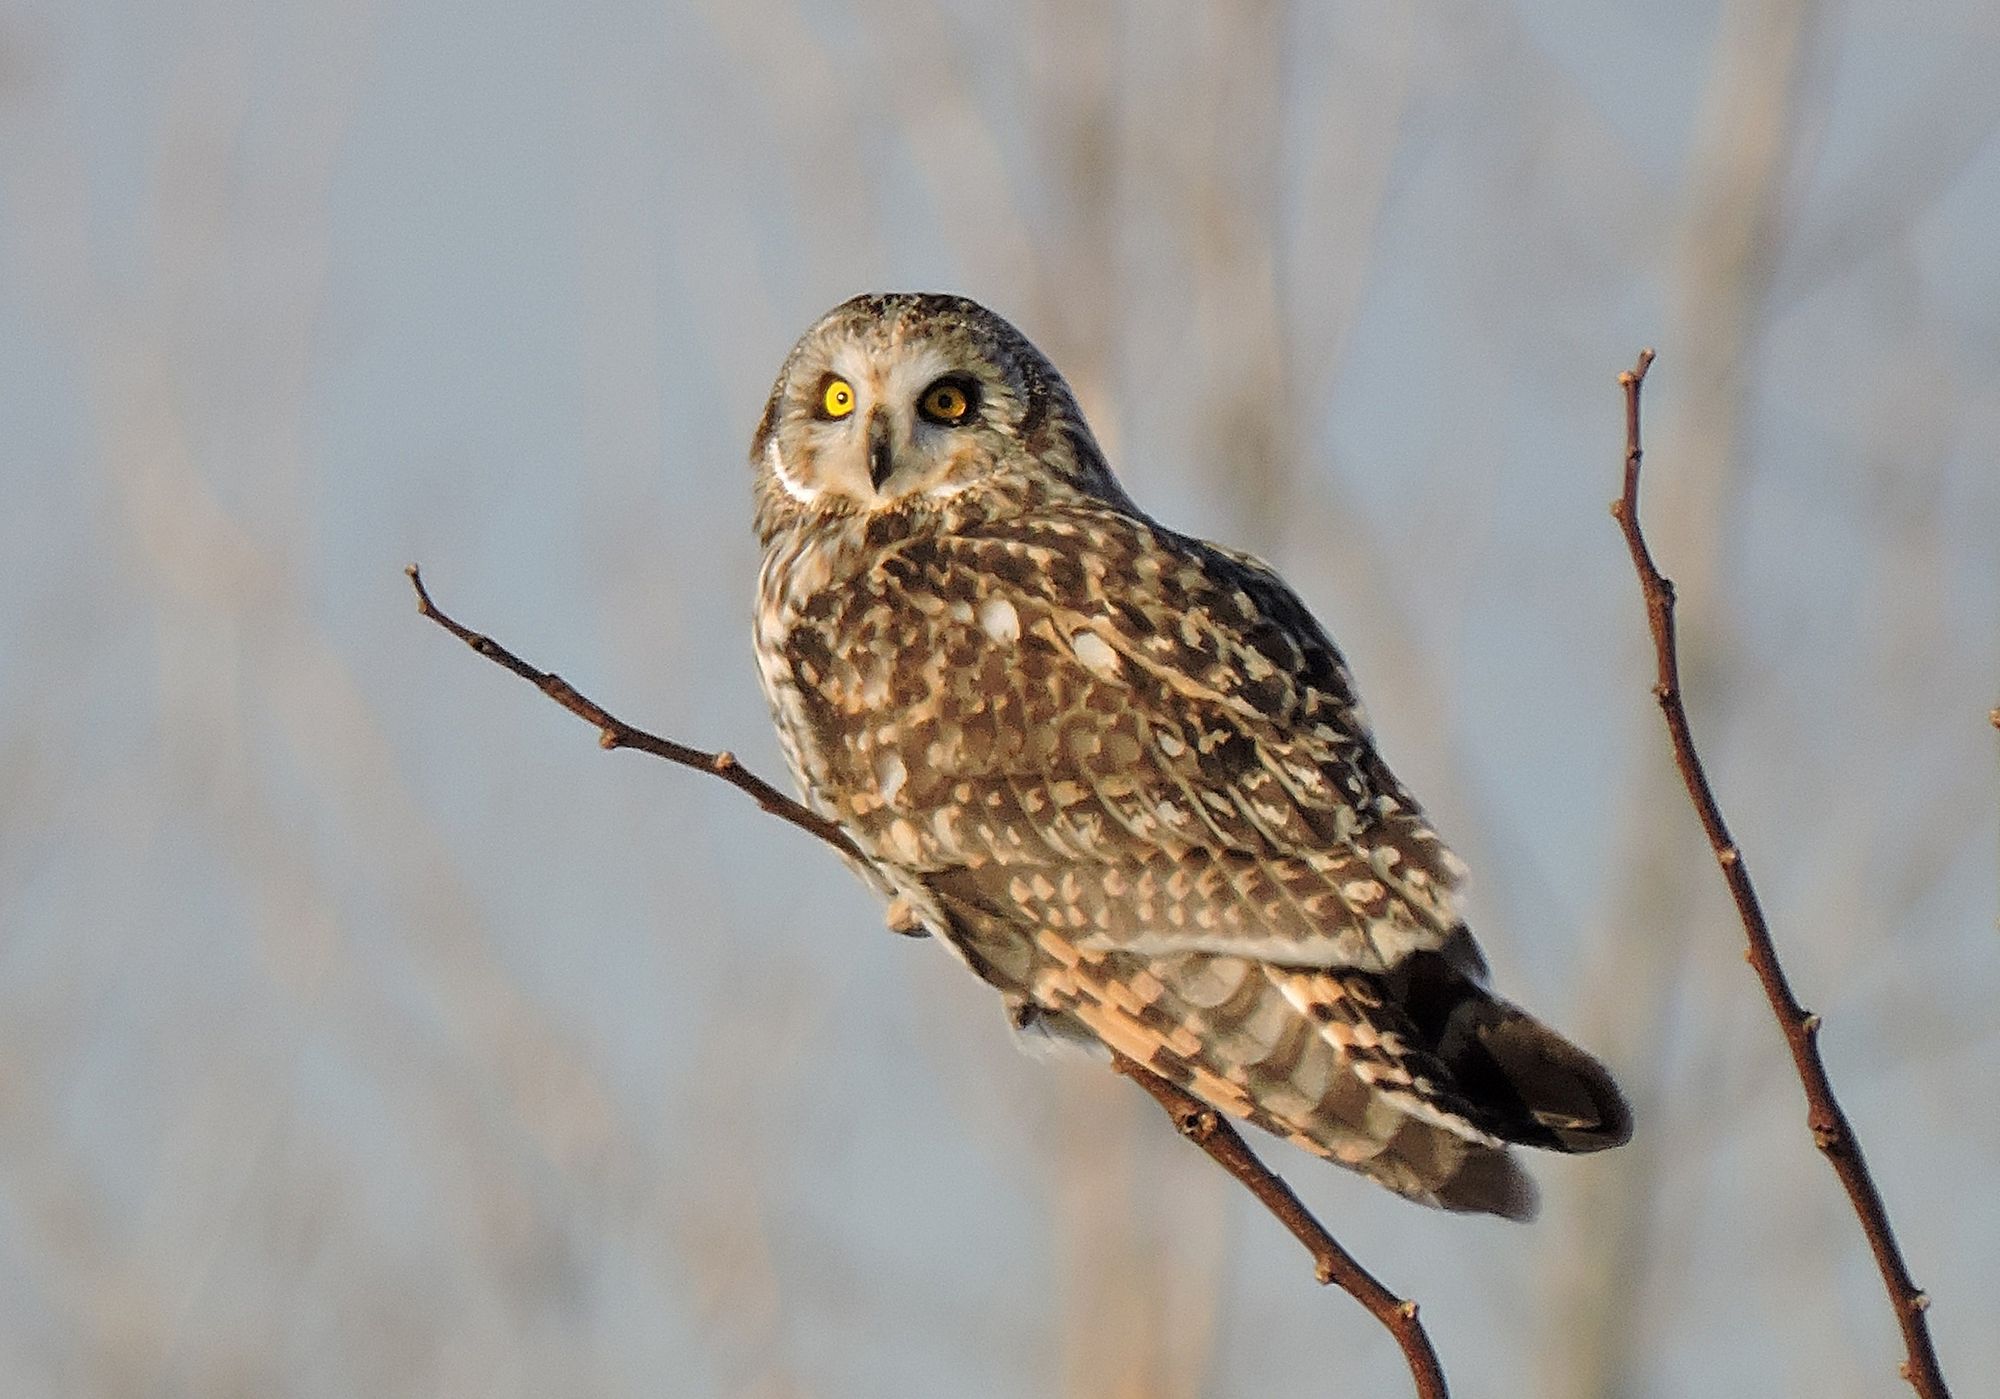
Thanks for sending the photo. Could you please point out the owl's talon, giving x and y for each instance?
(1198, 1125)
(902, 919)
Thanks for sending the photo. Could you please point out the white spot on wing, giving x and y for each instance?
(999, 620)
(1096, 654)
(900, 842)
(890, 774)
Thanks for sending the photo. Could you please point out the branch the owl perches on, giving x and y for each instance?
(1194, 1119)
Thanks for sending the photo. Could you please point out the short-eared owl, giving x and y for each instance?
(1122, 773)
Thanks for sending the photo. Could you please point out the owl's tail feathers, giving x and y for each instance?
(1533, 1086)
(1540, 1089)
(1488, 1181)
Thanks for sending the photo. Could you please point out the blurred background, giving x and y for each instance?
(365, 1030)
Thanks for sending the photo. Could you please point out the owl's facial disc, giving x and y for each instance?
(873, 425)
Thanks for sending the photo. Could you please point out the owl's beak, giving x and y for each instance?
(881, 460)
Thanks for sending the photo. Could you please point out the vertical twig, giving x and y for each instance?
(1831, 1131)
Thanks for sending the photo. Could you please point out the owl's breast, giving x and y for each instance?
(841, 655)
(860, 660)
(946, 714)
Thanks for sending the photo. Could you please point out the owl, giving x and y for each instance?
(1121, 772)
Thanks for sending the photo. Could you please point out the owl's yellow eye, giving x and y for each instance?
(946, 401)
(838, 401)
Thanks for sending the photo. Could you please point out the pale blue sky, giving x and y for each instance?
(364, 1030)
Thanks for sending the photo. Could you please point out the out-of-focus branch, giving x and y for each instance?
(1210, 1131)
(1195, 1119)
(1831, 1131)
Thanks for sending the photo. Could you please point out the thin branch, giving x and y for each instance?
(1195, 1119)
(1214, 1134)
(613, 732)
(1831, 1131)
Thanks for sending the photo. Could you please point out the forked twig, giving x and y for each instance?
(1195, 1119)
(1831, 1131)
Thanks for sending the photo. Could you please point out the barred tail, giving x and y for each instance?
(1530, 1085)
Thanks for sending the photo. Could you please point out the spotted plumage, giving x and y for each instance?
(1122, 772)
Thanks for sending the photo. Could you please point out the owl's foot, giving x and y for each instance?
(902, 919)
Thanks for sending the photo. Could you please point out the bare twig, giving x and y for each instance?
(1214, 1134)
(1831, 1131)
(613, 732)
(1199, 1123)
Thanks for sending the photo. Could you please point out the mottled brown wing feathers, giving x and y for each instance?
(1150, 729)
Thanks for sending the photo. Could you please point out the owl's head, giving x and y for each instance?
(905, 401)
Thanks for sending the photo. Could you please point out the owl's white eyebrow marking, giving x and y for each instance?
(775, 459)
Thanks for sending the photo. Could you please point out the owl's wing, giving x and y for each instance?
(1130, 735)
